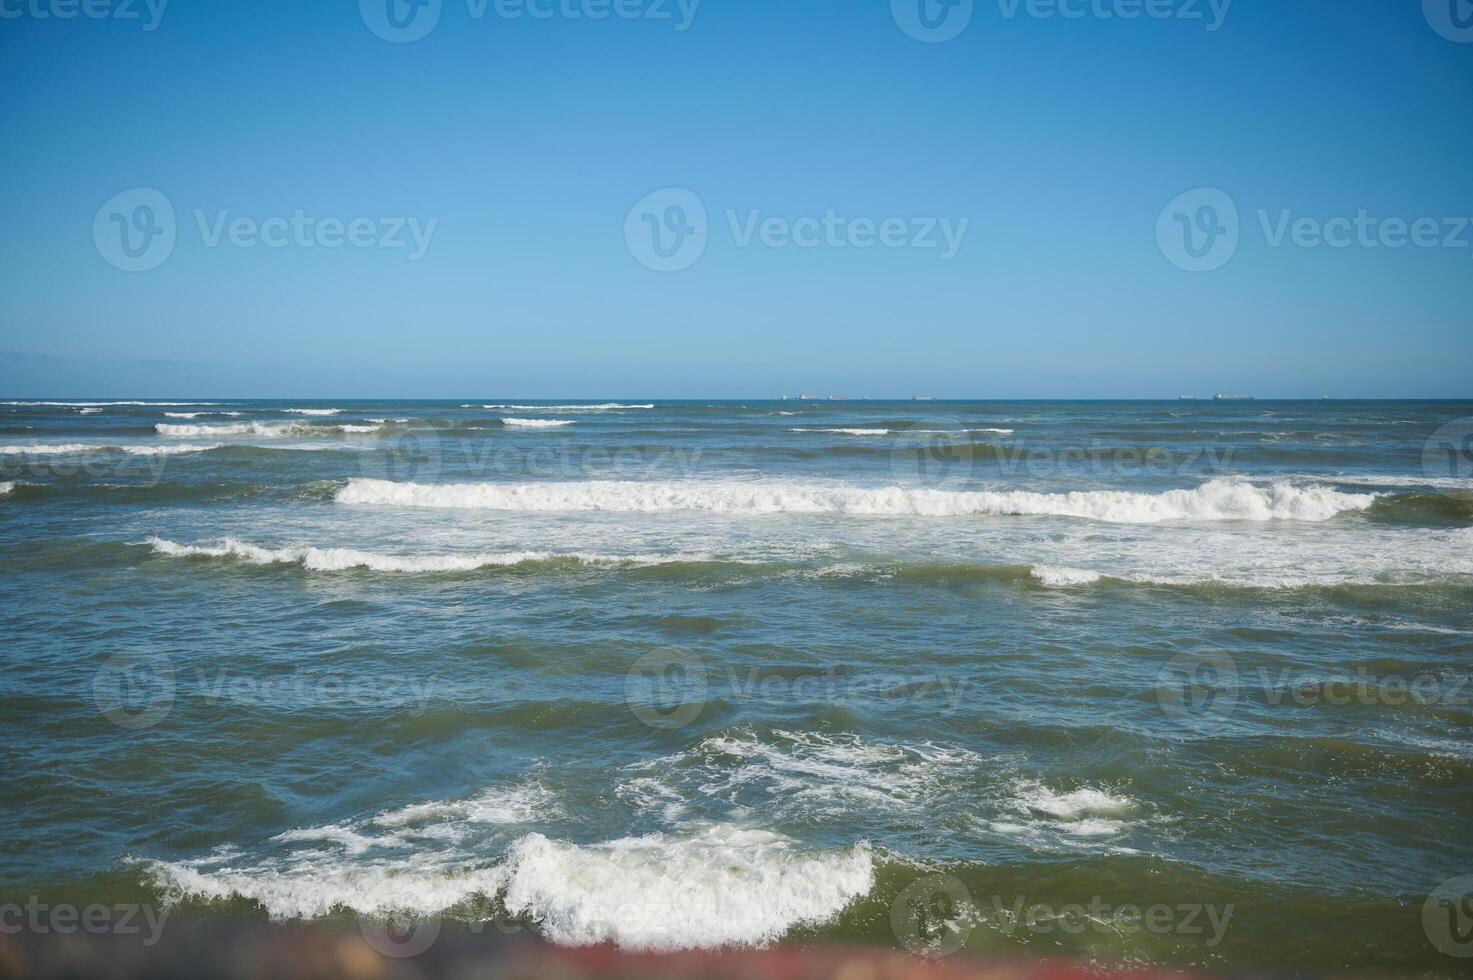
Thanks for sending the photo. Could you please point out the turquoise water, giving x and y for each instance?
(685, 674)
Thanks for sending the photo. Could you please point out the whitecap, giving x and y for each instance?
(722, 886)
(267, 430)
(1058, 576)
(317, 559)
(1218, 500)
(605, 407)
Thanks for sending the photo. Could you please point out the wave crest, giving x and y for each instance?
(265, 430)
(724, 886)
(1218, 500)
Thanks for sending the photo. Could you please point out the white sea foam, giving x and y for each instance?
(5, 488)
(76, 448)
(723, 886)
(1058, 576)
(171, 450)
(313, 411)
(1083, 812)
(266, 430)
(606, 407)
(498, 805)
(708, 886)
(810, 774)
(1074, 804)
(1036, 810)
(106, 404)
(49, 449)
(1218, 500)
(89, 411)
(535, 423)
(411, 859)
(343, 559)
(1405, 481)
(195, 415)
(886, 432)
(316, 882)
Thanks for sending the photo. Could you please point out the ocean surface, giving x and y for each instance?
(1179, 683)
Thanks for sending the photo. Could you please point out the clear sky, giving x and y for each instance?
(1058, 134)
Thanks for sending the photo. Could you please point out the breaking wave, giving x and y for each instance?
(107, 404)
(1218, 500)
(77, 448)
(1057, 576)
(721, 886)
(606, 407)
(265, 430)
(343, 559)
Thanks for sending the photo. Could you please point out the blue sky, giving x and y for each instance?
(527, 141)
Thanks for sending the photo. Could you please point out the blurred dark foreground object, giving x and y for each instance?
(239, 950)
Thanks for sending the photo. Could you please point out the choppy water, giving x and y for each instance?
(692, 674)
